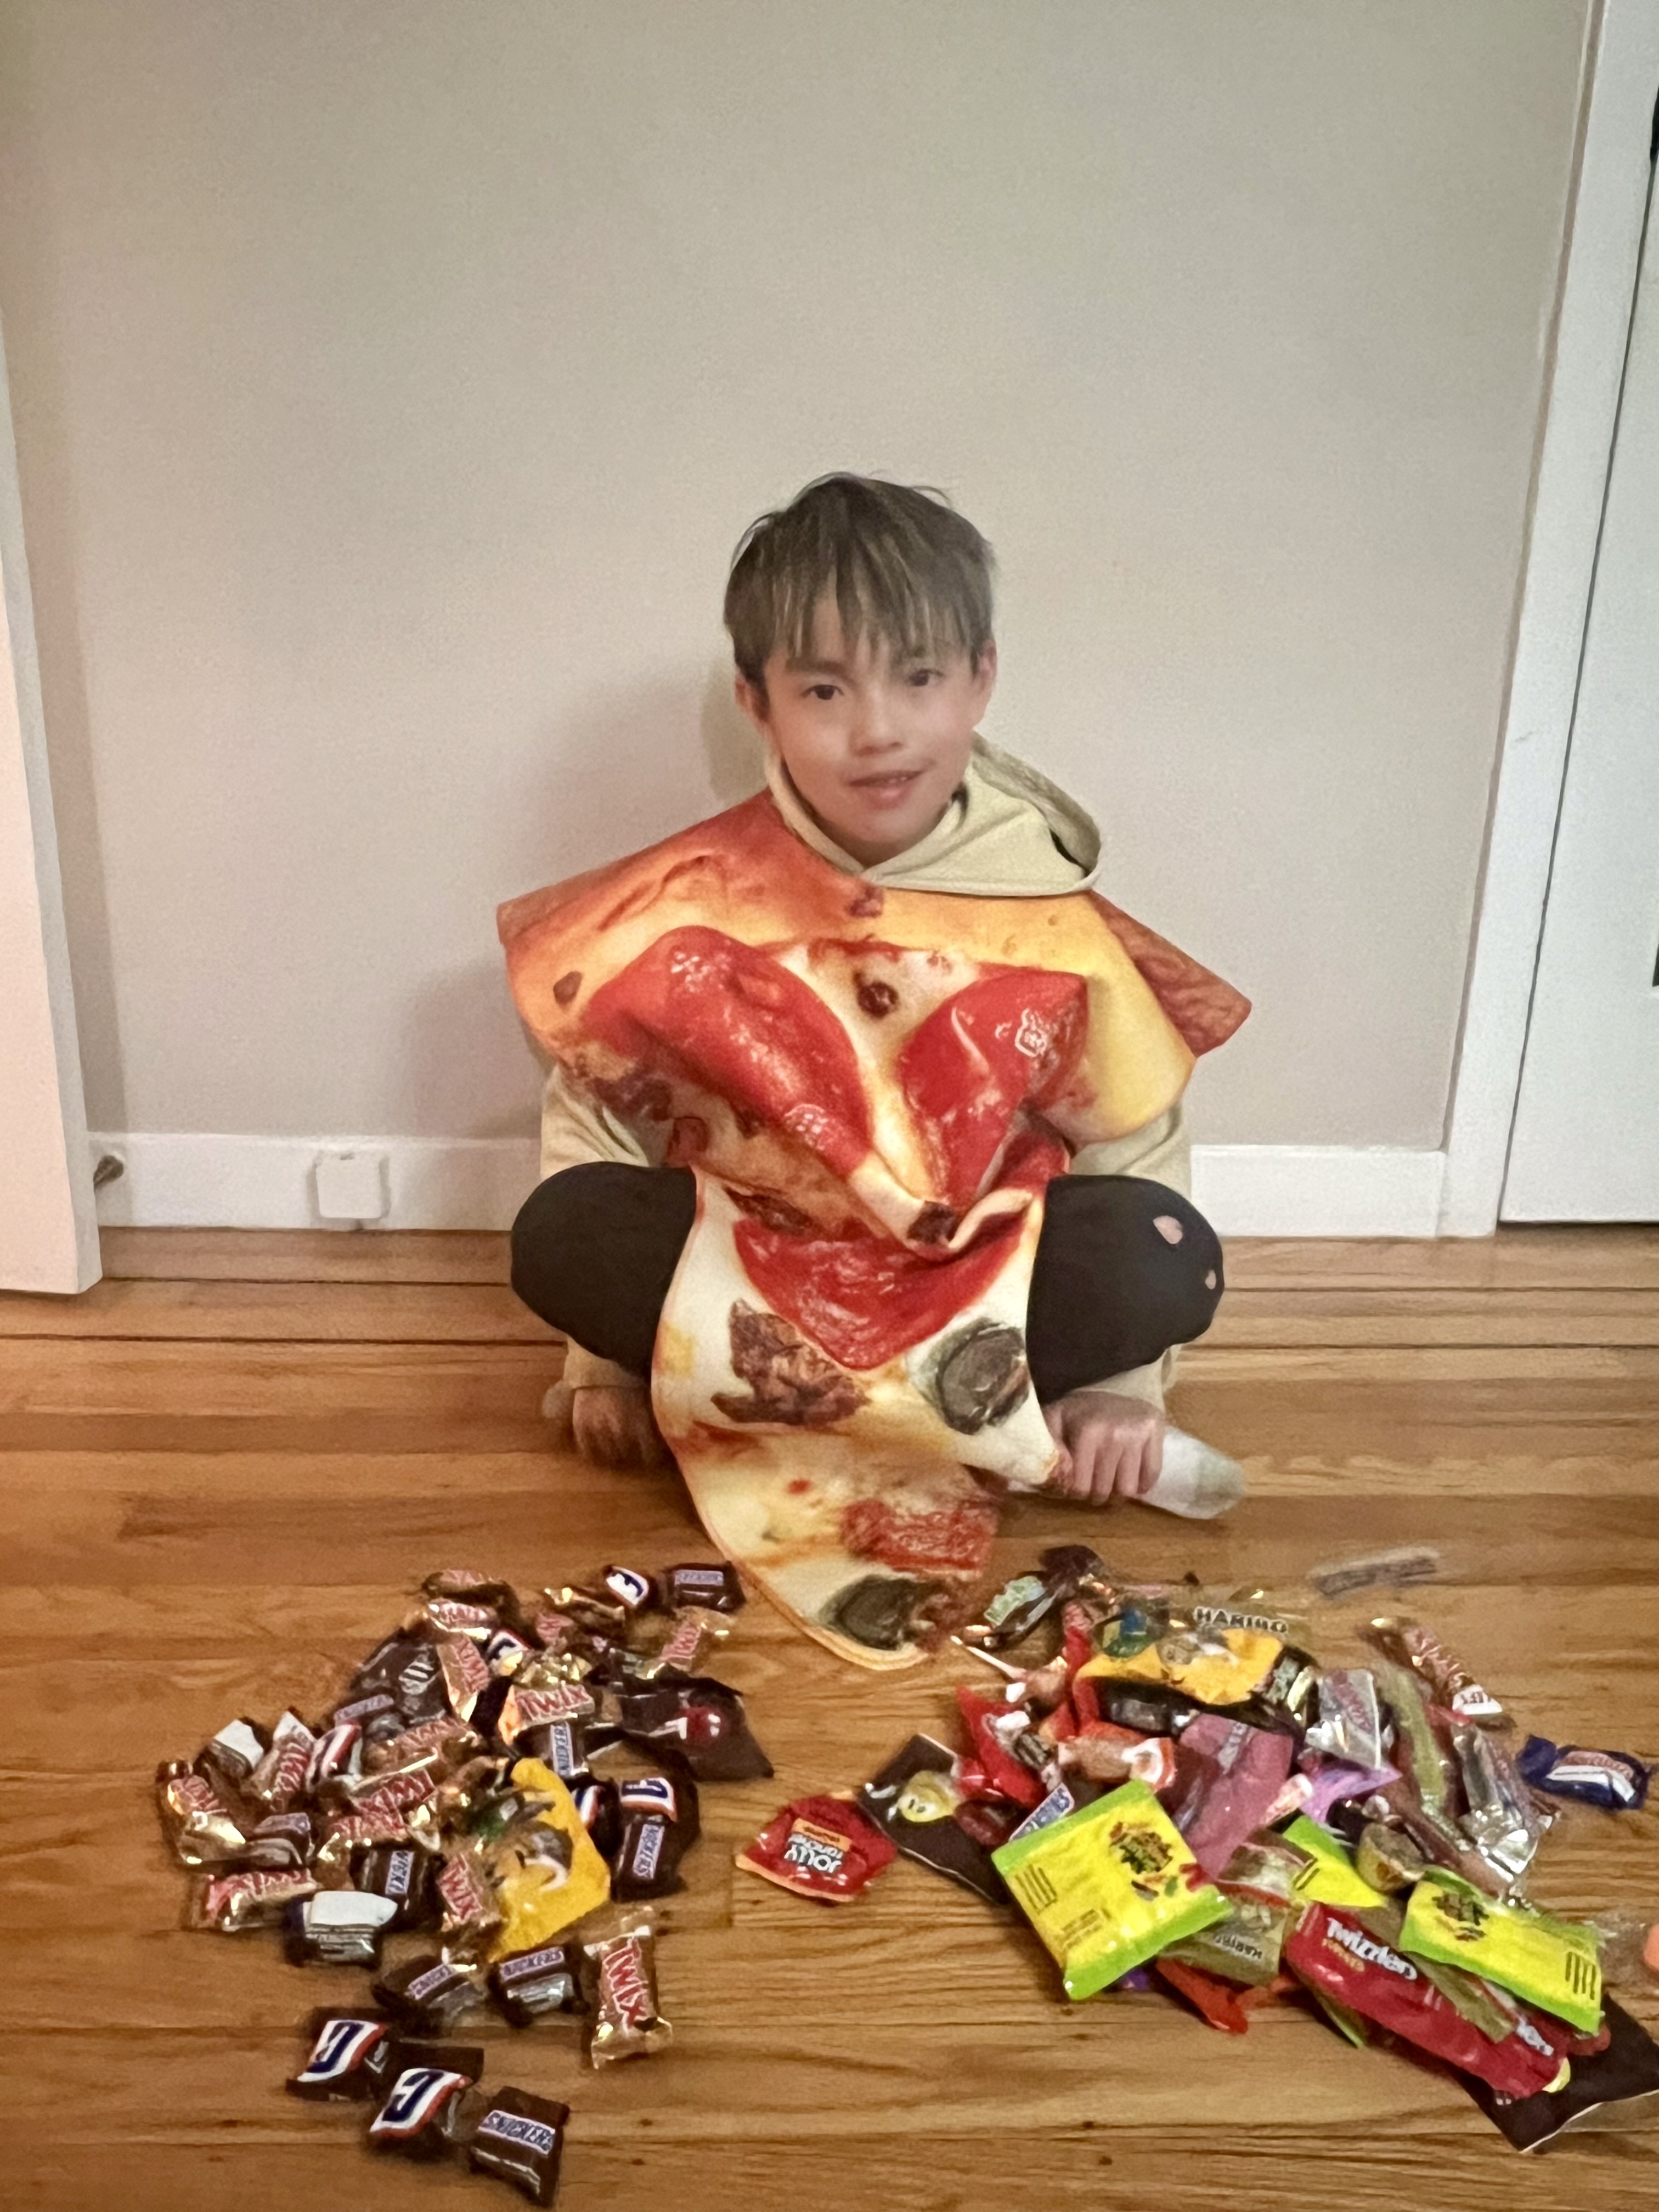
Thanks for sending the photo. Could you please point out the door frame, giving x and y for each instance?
(1595, 300)
(49, 1241)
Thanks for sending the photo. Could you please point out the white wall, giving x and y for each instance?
(392, 382)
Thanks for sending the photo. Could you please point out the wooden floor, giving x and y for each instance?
(224, 1467)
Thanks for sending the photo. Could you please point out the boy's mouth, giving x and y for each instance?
(892, 785)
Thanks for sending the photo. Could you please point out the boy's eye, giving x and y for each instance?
(919, 676)
(820, 691)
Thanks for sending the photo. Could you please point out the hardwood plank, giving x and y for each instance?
(1288, 1318)
(1622, 1257)
(283, 1312)
(307, 1255)
(231, 1310)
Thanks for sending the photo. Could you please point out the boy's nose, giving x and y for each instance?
(873, 730)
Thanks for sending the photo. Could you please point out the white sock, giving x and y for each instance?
(1196, 1481)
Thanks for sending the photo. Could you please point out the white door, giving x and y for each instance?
(1585, 1145)
(48, 1232)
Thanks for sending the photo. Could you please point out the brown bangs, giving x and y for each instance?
(904, 569)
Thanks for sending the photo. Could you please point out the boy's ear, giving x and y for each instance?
(985, 677)
(752, 700)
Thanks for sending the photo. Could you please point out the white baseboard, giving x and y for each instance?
(1318, 1190)
(479, 1182)
(265, 1182)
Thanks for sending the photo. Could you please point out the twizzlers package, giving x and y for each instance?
(1339, 1957)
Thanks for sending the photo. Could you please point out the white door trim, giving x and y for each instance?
(48, 1224)
(1598, 287)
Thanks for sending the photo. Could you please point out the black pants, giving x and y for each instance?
(595, 1247)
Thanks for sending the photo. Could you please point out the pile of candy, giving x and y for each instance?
(1177, 1792)
(450, 1796)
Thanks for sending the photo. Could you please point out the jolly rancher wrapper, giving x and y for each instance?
(1107, 1887)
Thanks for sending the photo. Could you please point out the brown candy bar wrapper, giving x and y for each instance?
(337, 1928)
(196, 1819)
(230, 1757)
(281, 1840)
(529, 1984)
(281, 1775)
(253, 1897)
(628, 2022)
(516, 2137)
(716, 1588)
(1448, 1682)
(428, 1994)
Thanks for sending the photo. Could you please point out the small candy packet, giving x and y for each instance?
(348, 2054)
(660, 1824)
(428, 1994)
(1107, 1886)
(629, 2021)
(516, 2137)
(1448, 1683)
(1613, 1780)
(915, 1798)
(1329, 1875)
(416, 2119)
(824, 1848)
(1554, 1964)
(197, 1819)
(528, 1985)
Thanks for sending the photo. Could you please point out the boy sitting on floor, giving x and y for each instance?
(860, 620)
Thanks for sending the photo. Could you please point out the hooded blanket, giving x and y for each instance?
(873, 1087)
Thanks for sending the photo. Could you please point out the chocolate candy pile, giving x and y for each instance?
(1177, 1793)
(449, 1804)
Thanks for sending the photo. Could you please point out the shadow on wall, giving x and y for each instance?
(636, 768)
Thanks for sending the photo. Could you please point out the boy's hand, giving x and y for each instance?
(614, 1427)
(1110, 1445)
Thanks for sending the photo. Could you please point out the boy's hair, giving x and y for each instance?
(904, 569)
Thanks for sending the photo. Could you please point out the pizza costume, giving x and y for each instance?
(873, 1087)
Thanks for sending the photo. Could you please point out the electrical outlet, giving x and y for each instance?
(351, 1186)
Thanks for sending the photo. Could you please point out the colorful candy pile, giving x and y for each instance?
(450, 1797)
(1176, 1792)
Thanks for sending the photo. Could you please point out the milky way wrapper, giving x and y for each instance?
(1107, 1887)
(1613, 1780)
(1554, 1964)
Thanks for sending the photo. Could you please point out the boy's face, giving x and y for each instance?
(875, 742)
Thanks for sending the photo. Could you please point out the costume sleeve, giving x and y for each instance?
(576, 1129)
(1160, 1152)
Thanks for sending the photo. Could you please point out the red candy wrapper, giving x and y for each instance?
(991, 1723)
(820, 1847)
(1335, 1954)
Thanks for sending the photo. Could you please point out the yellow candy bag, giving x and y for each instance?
(1555, 1965)
(1330, 1877)
(1214, 1667)
(1107, 1887)
(546, 1871)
